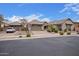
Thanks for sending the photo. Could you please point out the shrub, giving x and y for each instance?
(68, 33)
(61, 33)
(1, 29)
(20, 36)
(56, 31)
(28, 35)
(77, 32)
(49, 28)
(65, 30)
(53, 29)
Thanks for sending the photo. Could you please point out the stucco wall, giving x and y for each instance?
(36, 27)
(63, 26)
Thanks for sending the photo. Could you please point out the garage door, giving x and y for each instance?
(36, 27)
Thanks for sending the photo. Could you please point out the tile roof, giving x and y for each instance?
(60, 21)
(35, 22)
(15, 23)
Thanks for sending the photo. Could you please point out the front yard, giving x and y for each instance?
(34, 34)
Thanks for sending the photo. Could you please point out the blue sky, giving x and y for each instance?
(43, 11)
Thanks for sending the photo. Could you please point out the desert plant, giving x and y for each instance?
(77, 32)
(28, 35)
(56, 31)
(68, 32)
(52, 28)
(65, 30)
(20, 36)
(61, 33)
(49, 28)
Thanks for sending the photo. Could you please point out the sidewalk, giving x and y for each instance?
(34, 36)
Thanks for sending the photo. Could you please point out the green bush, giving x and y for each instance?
(53, 29)
(61, 33)
(68, 33)
(56, 31)
(49, 28)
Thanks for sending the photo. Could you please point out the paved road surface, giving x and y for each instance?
(67, 46)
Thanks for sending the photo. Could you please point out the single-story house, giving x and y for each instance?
(64, 24)
(36, 25)
(16, 25)
(4, 25)
(76, 26)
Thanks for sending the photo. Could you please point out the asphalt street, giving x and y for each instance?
(54, 46)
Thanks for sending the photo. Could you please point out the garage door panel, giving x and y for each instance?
(36, 28)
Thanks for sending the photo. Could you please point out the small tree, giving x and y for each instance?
(49, 28)
(52, 28)
(28, 30)
(55, 29)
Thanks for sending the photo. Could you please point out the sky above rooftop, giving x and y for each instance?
(40, 11)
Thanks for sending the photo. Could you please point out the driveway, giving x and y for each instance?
(54, 46)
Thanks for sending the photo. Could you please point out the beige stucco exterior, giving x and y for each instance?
(64, 24)
(76, 26)
(39, 26)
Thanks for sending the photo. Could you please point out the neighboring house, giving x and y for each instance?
(36, 25)
(76, 26)
(16, 25)
(65, 24)
(4, 25)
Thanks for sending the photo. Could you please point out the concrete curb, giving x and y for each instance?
(17, 38)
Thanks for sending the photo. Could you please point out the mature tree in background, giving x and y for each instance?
(23, 23)
(1, 19)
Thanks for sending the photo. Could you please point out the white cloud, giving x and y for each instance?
(63, 10)
(14, 18)
(74, 7)
(28, 18)
(33, 16)
(45, 19)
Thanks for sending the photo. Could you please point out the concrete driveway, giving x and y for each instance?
(3, 34)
